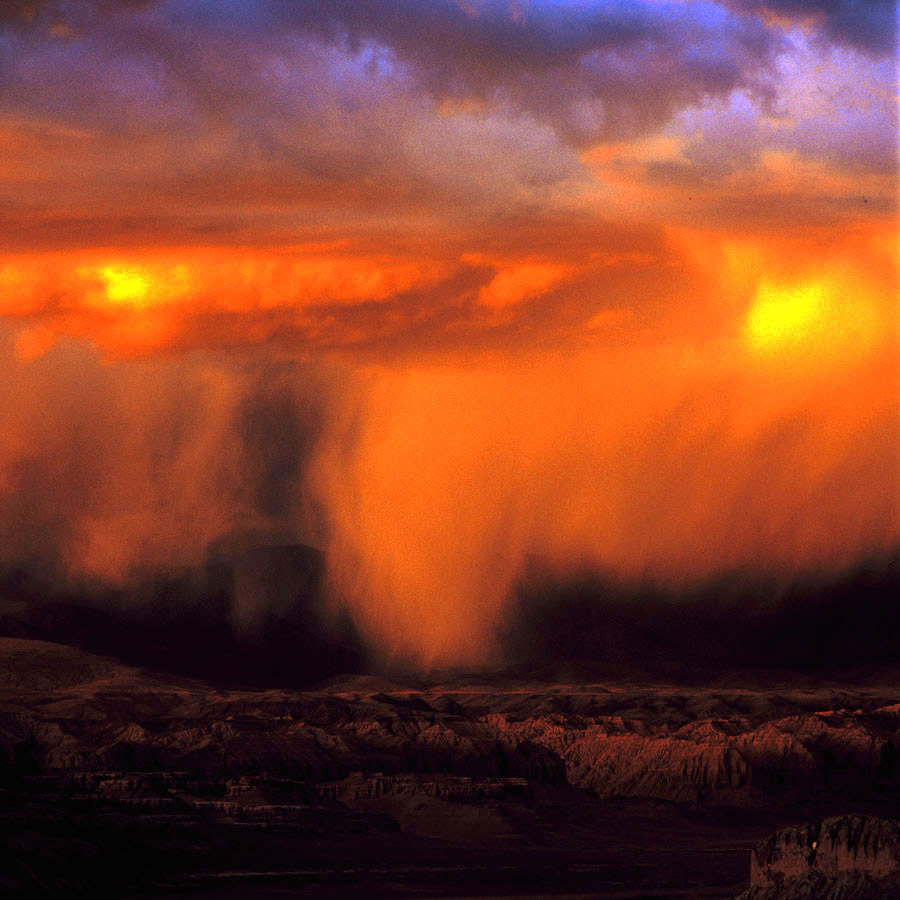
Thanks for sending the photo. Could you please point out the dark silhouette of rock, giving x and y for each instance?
(843, 858)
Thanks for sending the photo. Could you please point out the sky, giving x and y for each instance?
(445, 287)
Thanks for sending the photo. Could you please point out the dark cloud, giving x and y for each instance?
(868, 25)
(45, 14)
(278, 429)
(183, 622)
(739, 619)
(143, 124)
(199, 123)
(592, 70)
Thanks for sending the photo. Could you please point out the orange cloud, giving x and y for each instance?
(519, 281)
(33, 343)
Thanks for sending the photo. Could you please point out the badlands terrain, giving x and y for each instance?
(120, 781)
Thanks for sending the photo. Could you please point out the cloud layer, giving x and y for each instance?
(447, 287)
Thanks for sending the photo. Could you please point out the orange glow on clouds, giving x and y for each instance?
(812, 317)
(602, 285)
(519, 282)
(129, 305)
(649, 462)
(128, 285)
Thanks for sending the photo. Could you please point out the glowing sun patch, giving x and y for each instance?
(823, 319)
(126, 285)
(785, 318)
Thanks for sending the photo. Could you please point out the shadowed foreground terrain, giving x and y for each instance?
(117, 781)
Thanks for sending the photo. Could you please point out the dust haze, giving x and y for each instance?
(436, 492)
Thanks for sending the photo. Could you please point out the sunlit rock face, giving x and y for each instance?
(853, 857)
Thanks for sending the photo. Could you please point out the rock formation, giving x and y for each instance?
(61, 710)
(99, 748)
(843, 858)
